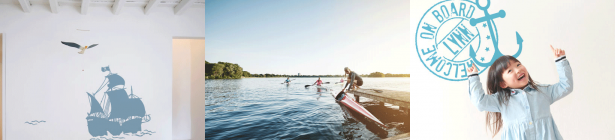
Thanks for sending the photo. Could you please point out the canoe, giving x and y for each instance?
(356, 107)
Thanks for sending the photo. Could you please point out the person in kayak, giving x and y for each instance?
(287, 80)
(354, 80)
(318, 82)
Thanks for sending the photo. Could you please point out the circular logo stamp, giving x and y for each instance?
(452, 35)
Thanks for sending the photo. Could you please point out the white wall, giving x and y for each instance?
(181, 89)
(197, 94)
(45, 81)
(1, 84)
(442, 109)
(188, 89)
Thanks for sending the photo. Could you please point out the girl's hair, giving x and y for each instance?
(494, 78)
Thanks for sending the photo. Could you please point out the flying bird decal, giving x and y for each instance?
(75, 45)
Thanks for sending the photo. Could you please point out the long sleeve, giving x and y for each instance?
(352, 75)
(481, 100)
(564, 86)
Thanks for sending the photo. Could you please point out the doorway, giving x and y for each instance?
(188, 88)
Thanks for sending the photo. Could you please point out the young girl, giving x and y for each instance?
(516, 103)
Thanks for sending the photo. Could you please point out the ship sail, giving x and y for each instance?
(136, 107)
(115, 80)
(119, 101)
(95, 106)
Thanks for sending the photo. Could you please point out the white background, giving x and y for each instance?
(44, 78)
(441, 109)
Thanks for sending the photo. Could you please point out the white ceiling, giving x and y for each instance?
(178, 5)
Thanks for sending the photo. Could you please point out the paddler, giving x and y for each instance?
(318, 82)
(353, 79)
(287, 80)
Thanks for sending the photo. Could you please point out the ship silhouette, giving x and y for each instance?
(117, 112)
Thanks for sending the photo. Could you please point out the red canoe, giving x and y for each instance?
(356, 107)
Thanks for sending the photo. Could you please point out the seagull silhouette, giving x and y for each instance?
(82, 48)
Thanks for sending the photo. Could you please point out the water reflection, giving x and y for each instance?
(355, 121)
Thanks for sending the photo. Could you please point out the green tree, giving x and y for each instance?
(238, 71)
(246, 74)
(217, 71)
(206, 74)
(229, 69)
(376, 74)
(388, 75)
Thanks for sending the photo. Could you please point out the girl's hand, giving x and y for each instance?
(472, 69)
(557, 52)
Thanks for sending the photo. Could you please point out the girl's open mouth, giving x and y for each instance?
(521, 76)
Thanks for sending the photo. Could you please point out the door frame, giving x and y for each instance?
(3, 85)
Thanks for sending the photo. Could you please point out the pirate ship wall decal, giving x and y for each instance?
(117, 112)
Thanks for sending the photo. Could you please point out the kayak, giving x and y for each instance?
(356, 107)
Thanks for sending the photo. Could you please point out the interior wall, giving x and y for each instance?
(197, 101)
(188, 89)
(48, 81)
(181, 89)
(441, 109)
(1, 85)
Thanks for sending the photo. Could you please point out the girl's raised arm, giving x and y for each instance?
(564, 86)
(482, 101)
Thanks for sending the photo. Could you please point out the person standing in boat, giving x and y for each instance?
(353, 79)
(318, 82)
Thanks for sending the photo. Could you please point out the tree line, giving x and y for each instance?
(225, 70)
(380, 74)
(285, 75)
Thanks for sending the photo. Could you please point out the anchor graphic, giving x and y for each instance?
(489, 17)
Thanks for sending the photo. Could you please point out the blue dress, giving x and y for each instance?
(528, 114)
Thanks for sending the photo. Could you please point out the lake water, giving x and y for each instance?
(263, 108)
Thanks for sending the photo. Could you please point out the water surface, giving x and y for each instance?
(263, 108)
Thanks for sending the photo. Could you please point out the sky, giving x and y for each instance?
(311, 37)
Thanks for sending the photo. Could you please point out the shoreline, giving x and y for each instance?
(307, 77)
